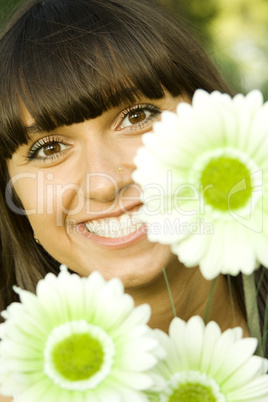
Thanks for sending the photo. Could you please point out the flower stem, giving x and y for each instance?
(169, 292)
(265, 328)
(252, 309)
(208, 309)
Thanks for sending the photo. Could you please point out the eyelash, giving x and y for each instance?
(155, 111)
(38, 145)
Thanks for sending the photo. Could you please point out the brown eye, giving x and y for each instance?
(51, 148)
(47, 149)
(137, 116)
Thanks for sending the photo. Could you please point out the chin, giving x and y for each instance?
(133, 269)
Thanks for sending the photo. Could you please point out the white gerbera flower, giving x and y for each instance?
(204, 176)
(78, 339)
(205, 365)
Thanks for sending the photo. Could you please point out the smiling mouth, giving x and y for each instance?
(114, 227)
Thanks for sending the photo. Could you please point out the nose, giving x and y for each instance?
(104, 173)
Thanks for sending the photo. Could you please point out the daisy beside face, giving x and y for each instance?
(205, 365)
(79, 339)
(204, 175)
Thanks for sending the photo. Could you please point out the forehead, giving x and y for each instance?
(26, 118)
(28, 122)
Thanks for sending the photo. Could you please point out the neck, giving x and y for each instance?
(191, 295)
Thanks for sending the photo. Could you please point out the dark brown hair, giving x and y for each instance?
(68, 61)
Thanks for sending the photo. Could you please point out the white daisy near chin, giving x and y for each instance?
(205, 365)
(76, 340)
(204, 176)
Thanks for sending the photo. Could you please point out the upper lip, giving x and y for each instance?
(116, 213)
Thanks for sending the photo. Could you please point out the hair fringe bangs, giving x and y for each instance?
(67, 74)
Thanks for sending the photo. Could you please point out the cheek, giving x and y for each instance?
(44, 198)
(28, 188)
(126, 152)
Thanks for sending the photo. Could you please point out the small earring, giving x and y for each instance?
(36, 239)
(120, 170)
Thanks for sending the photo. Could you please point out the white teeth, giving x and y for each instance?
(114, 227)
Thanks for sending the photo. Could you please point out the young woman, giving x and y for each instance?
(80, 82)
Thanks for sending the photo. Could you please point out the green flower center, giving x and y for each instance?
(226, 183)
(192, 392)
(191, 386)
(78, 357)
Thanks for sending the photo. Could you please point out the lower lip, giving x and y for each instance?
(112, 242)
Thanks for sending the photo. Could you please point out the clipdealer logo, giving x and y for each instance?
(49, 198)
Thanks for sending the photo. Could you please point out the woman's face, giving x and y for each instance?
(76, 187)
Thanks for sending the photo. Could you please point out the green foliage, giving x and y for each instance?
(234, 35)
(7, 8)
(199, 14)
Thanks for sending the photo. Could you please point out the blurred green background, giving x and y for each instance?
(233, 32)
